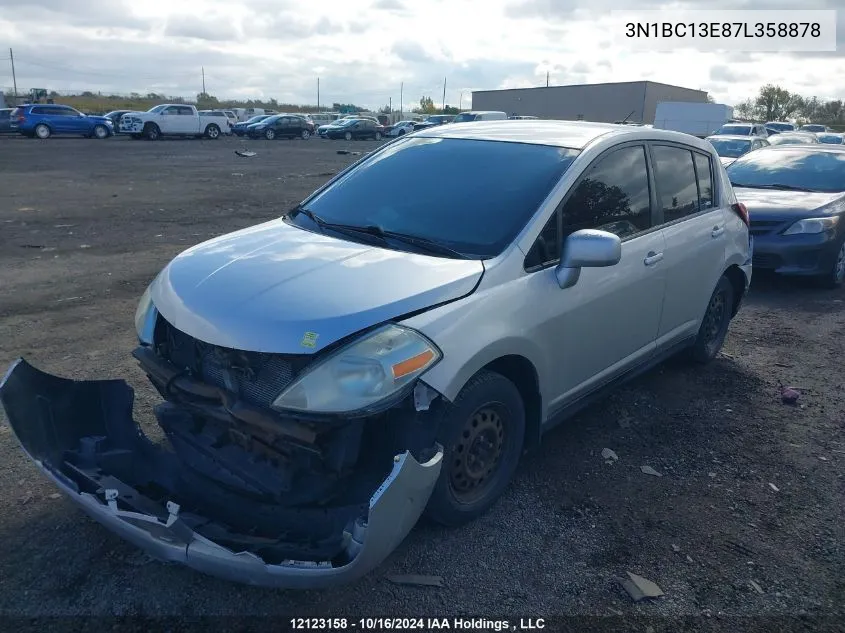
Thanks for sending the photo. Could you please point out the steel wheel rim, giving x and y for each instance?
(839, 269)
(713, 318)
(477, 453)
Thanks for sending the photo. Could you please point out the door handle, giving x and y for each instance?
(652, 258)
(717, 231)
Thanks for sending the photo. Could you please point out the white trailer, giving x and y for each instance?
(697, 119)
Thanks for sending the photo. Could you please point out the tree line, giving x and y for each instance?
(774, 103)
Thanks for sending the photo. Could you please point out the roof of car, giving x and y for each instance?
(570, 134)
(734, 137)
(810, 147)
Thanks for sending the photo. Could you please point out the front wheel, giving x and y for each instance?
(100, 131)
(714, 325)
(835, 276)
(348, 136)
(212, 131)
(270, 134)
(152, 132)
(482, 434)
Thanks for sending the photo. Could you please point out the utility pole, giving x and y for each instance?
(14, 79)
(444, 94)
(547, 79)
(401, 100)
(203, 81)
(318, 94)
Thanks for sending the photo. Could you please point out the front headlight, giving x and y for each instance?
(145, 317)
(360, 375)
(811, 226)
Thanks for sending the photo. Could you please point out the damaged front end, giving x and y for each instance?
(243, 492)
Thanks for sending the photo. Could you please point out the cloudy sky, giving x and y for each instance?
(363, 51)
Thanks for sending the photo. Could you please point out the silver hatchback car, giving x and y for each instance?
(392, 345)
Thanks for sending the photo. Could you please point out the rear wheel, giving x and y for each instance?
(348, 136)
(835, 276)
(42, 131)
(482, 434)
(305, 135)
(212, 131)
(378, 136)
(714, 325)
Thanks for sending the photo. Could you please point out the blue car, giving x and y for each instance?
(239, 129)
(45, 120)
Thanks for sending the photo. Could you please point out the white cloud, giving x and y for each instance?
(362, 54)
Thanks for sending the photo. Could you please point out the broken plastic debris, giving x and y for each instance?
(648, 470)
(609, 456)
(756, 587)
(774, 487)
(675, 548)
(55, 495)
(640, 588)
(790, 395)
(417, 580)
(245, 153)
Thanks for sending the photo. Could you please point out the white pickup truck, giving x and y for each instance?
(170, 119)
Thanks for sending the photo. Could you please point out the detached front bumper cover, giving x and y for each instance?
(51, 416)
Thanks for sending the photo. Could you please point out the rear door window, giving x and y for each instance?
(674, 171)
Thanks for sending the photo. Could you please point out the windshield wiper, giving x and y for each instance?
(776, 186)
(424, 243)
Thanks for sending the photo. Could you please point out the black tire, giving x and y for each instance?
(488, 415)
(714, 325)
(305, 135)
(401, 132)
(42, 131)
(835, 276)
(100, 132)
(212, 131)
(152, 132)
(348, 136)
(378, 136)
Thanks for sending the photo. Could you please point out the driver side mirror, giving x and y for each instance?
(587, 248)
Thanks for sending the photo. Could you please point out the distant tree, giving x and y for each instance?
(450, 110)
(385, 109)
(710, 98)
(427, 106)
(777, 104)
(746, 109)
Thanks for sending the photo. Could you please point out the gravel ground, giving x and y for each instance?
(744, 528)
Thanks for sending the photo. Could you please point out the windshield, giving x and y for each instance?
(256, 119)
(158, 108)
(730, 148)
(813, 128)
(486, 191)
(791, 139)
(735, 129)
(833, 139)
(270, 119)
(801, 168)
(783, 127)
(466, 116)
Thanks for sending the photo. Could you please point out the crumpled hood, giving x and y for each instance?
(263, 288)
(769, 204)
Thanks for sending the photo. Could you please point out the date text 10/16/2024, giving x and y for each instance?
(415, 624)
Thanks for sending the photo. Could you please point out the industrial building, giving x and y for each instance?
(636, 100)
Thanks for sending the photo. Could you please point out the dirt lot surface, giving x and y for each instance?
(746, 525)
